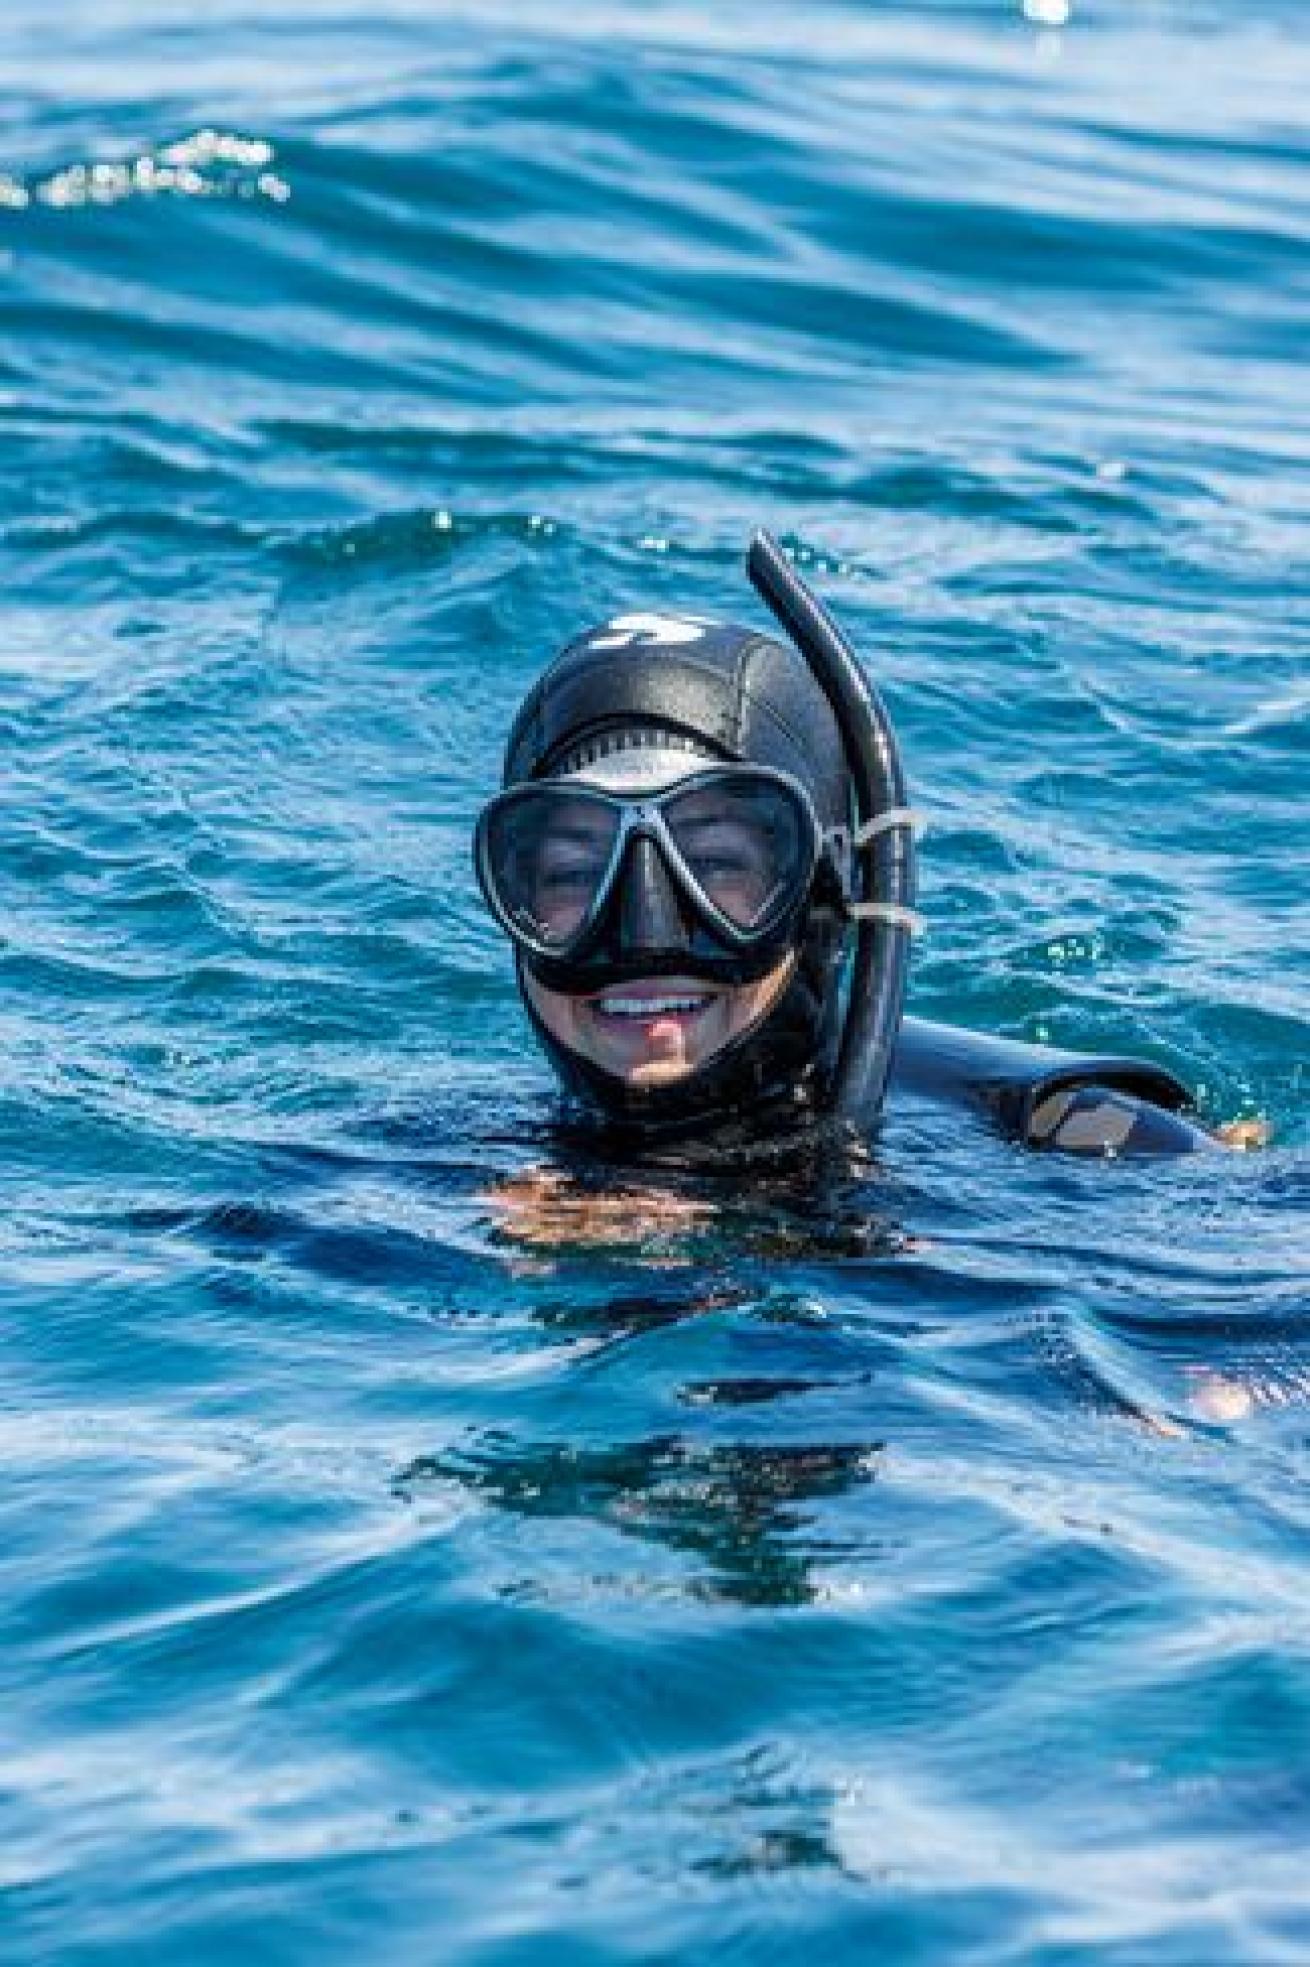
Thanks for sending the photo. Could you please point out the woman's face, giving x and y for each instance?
(653, 1031)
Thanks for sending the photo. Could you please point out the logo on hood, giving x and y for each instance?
(649, 632)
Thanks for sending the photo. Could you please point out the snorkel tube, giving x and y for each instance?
(882, 843)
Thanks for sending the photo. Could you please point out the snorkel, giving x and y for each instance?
(882, 843)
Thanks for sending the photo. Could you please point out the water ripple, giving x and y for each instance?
(416, 1536)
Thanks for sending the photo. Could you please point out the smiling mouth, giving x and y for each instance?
(641, 1004)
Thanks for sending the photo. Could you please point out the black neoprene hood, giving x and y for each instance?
(723, 692)
(732, 693)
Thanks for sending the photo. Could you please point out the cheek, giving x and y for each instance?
(557, 1012)
(726, 1017)
(743, 1007)
(738, 1010)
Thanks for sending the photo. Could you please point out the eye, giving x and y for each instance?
(570, 867)
(721, 866)
(568, 880)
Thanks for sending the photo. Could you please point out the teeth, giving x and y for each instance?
(647, 1007)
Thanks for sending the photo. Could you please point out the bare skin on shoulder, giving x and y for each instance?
(542, 1211)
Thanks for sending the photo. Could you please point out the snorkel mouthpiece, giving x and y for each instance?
(884, 834)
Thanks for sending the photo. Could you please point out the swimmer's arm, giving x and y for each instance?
(1054, 1099)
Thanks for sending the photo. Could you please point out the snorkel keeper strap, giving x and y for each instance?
(884, 912)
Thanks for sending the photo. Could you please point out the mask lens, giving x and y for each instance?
(746, 842)
(547, 853)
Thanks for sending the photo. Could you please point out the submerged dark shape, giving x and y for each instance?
(698, 821)
(743, 1510)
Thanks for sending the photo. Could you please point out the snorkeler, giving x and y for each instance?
(703, 855)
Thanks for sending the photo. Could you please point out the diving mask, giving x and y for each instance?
(713, 872)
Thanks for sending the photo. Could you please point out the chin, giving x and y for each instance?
(653, 1072)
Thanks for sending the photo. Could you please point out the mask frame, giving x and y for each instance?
(641, 816)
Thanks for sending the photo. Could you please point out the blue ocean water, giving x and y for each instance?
(402, 1556)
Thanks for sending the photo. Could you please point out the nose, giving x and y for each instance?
(650, 916)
